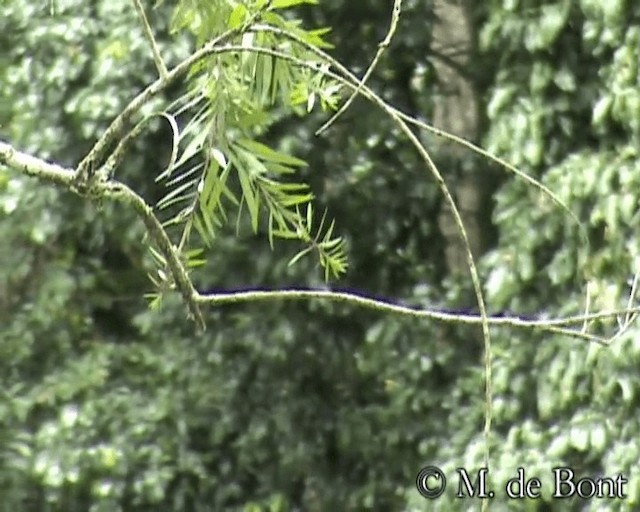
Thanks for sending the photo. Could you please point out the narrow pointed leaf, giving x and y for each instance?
(268, 154)
(250, 198)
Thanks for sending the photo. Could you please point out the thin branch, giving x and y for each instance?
(45, 171)
(37, 168)
(395, 16)
(444, 189)
(115, 159)
(157, 58)
(348, 78)
(158, 234)
(61, 176)
(386, 306)
(34, 167)
(96, 155)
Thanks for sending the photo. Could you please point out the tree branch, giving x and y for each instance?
(555, 325)
(97, 154)
(45, 171)
(395, 16)
(157, 58)
(37, 168)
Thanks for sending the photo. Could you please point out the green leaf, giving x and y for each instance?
(266, 81)
(284, 4)
(250, 197)
(212, 196)
(285, 234)
(315, 37)
(279, 169)
(298, 256)
(182, 193)
(270, 155)
(309, 217)
(237, 17)
(197, 141)
(219, 157)
(204, 224)
(311, 101)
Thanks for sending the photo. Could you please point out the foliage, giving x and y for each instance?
(232, 101)
(90, 368)
(555, 109)
(110, 405)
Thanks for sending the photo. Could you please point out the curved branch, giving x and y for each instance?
(395, 16)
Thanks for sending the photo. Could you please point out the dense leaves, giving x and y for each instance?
(108, 404)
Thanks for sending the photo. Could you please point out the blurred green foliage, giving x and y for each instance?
(108, 405)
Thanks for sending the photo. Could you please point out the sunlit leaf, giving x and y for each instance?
(237, 17)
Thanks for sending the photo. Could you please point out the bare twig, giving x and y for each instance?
(395, 16)
(553, 325)
(157, 58)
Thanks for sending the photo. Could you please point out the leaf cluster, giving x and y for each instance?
(232, 99)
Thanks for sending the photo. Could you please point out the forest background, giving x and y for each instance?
(109, 404)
